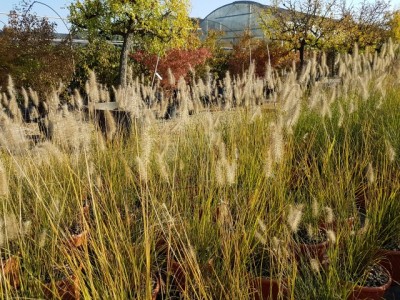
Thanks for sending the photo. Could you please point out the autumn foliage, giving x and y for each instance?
(30, 57)
(247, 50)
(179, 61)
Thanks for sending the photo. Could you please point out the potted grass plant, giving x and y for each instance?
(387, 223)
(270, 265)
(309, 240)
(359, 265)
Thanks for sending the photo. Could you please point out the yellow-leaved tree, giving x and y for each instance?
(302, 24)
(149, 25)
(395, 25)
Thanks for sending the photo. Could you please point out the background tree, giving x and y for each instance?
(148, 24)
(367, 24)
(301, 24)
(100, 56)
(179, 61)
(248, 49)
(217, 63)
(395, 25)
(28, 54)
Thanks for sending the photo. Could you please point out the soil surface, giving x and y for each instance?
(377, 276)
(302, 237)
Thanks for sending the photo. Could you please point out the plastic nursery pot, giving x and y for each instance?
(370, 293)
(391, 262)
(10, 271)
(64, 289)
(178, 275)
(156, 288)
(316, 251)
(349, 223)
(267, 288)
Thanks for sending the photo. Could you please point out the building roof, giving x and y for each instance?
(234, 19)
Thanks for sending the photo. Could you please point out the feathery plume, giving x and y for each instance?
(42, 238)
(219, 173)
(34, 97)
(162, 167)
(331, 236)
(341, 115)
(111, 127)
(390, 152)
(315, 265)
(315, 208)
(294, 217)
(260, 237)
(142, 166)
(25, 97)
(171, 78)
(78, 100)
(9, 227)
(224, 215)
(310, 230)
(269, 166)
(231, 172)
(329, 216)
(262, 225)
(277, 143)
(92, 88)
(4, 187)
(370, 173)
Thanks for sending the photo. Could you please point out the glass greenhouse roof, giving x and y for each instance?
(234, 19)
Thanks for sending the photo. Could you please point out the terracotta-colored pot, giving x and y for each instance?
(391, 261)
(316, 251)
(370, 293)
(349, 222)
(268, 288)
(156, 289)
(65, 289)
(10, 271)
(179, 275)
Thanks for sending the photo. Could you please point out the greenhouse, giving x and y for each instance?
(234, 19)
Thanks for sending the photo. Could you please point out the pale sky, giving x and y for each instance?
(199, 8)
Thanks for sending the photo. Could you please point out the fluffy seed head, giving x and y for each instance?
(219, 173)
(315, 208)
(260, 237)
(231, 172)
(331, 236)
(315, 266)
(294, 217)
(262, 225)
(370, 173)
(390, 152)
(4, 187)
(142, 167)
(329, 216)
(310, 230)
(162, 167)
(269, 166)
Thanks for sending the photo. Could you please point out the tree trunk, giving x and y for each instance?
(301, 50)
(123, 61)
